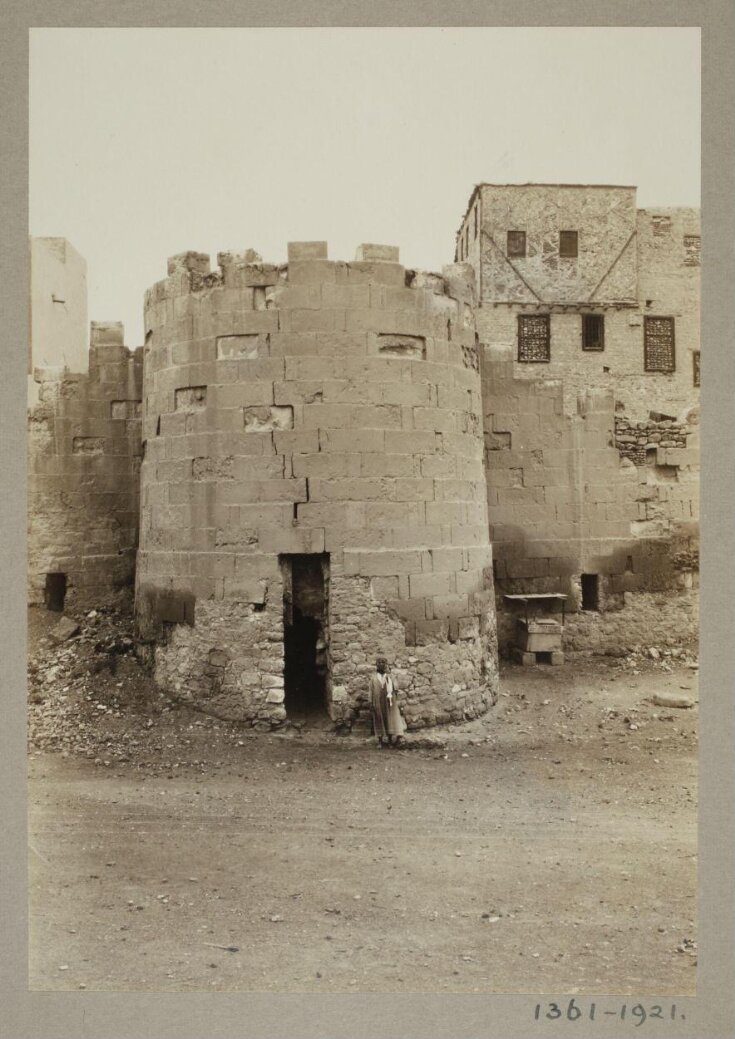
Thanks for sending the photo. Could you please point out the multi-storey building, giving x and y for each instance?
(588, 320)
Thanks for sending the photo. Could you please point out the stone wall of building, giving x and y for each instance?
(631, 265)
(669, 283)
(619, 369)
(565, 500)
(322, 409)
(84, 448)
(58, 330)
(604, 218)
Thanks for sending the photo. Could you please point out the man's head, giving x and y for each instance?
(381, 665)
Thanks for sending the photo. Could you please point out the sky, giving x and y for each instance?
(149, 142)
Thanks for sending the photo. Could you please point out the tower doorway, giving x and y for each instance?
(55, 592)
(305, 636)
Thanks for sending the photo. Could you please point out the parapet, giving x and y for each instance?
(308, 264)
(106, 333)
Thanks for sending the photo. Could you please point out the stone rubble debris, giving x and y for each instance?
(65, 629)
(670, 700)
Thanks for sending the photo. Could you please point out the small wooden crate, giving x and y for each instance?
(538, 635)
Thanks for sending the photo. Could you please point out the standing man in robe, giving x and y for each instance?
(388, 722)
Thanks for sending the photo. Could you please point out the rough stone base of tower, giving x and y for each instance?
(227, 658)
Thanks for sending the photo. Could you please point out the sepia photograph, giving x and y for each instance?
(363, 512)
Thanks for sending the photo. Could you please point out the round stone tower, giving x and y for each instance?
(313, 492)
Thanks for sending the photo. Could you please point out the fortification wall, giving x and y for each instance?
(329, 410)
(565, 499)
(84, 452)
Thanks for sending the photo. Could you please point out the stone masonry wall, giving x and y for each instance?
(320, 408)
(564, 501)
(58, 327)
(604, 269)
(643, 619)
(83, 471)
(442, 677)
(618, 369)
(631, 264)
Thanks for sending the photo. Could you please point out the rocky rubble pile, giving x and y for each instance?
(641, 658)
(86, 689)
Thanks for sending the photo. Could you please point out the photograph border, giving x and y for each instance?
(47, 1015)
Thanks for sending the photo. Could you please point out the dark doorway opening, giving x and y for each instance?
(591, 592)
(305, 622)
(55, 592)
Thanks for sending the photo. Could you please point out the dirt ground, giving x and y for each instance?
(549, 847)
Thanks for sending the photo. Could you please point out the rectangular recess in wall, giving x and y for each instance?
(659, 344)
(696, 370)
(534, 338)
(247, 346)
(402, 346)
(591, 592)
(593, 332)
(190, 398)
(124, 409)
(265, 419)
(88, 445)
(206, 468)
(55, 592)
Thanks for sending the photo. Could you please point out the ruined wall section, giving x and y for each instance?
(323, 408)
(84, 447)
(564, 500)
(636, 440)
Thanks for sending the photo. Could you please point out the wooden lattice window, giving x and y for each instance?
(568, 243)
(516, 244)
(659, 346)
(534, 338)
(695, 367)
(593, 331)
